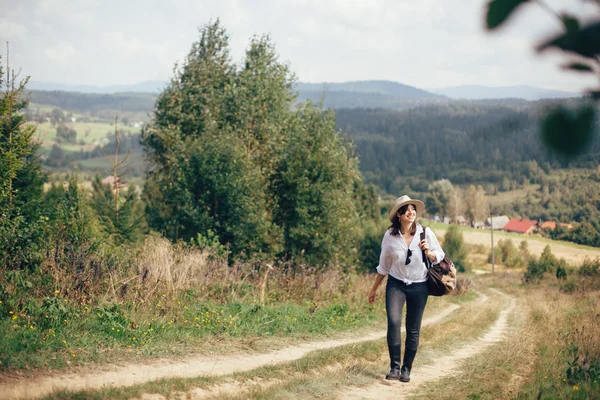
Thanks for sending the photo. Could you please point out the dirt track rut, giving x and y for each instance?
(129, 375)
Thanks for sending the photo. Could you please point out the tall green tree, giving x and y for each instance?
(228, 154)
(21, 180)
(439, 196)
(314, 183)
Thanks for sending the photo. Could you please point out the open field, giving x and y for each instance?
(572, 252)
(88, 133)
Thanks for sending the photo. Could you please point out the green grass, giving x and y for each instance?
(87, 132)
(315, 375)
(57, 332)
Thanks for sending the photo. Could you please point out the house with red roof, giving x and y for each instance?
(552, 225)
(548, 225)
(520, 225)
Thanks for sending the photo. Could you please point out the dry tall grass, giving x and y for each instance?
(159, 268)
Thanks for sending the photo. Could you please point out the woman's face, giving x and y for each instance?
(409, 215)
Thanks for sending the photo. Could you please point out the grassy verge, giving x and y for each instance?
(554, 353)
(318, 374)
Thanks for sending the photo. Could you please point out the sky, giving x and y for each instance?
(423, 43)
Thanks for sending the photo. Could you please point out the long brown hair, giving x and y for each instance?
(396, 227)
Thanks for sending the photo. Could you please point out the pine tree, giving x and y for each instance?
(21, 180)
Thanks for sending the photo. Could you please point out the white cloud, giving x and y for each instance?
(429, 43)
(12, 31)
(61, 53)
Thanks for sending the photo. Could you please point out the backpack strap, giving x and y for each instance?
(425, 259)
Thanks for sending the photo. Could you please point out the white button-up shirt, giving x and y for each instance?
(392, 259)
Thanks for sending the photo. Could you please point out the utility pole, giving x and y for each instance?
(492, 234)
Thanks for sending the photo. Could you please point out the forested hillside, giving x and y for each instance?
(466, 142)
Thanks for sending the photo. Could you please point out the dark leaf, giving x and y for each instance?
(568, 133)
(595, 94)
(571, 23)
(577, 66)
(585, 42)
(499, 10)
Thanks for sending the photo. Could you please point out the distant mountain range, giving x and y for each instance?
(358, 94)
(141, 87)
(479, 92)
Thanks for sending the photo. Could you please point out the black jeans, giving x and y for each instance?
(415, 296)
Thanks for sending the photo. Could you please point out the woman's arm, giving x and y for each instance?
(376, 284)
(433, 250)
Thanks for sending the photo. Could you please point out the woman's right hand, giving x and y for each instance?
(372, 295)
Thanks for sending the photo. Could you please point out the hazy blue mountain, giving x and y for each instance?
(141, 87)
(477, 92)
(386, 88)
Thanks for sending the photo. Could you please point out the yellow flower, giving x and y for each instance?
(56, 291)
(10, 312)
(74, 355)
(14, 317)
(30, 326)
(575, 387)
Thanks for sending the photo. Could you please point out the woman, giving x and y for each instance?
(402, 261)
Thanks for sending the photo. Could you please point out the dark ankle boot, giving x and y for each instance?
(409, 356)
(404, 374)
(394, 362)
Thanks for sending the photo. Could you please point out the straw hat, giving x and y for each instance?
(404, 200)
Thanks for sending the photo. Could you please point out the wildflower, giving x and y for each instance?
(14, 317)
(11, 312)
(74, 355)
(575, 387)
(56, 292)
(30, 326)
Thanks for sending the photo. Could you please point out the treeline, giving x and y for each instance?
(462, 142)
(94, 102)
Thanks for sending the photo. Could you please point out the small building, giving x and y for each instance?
(548, 225)
(524, 226)
(110, 180)
(497, 222)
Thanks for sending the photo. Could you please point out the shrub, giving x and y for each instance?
(590, 267)
(506, 253)
(454, 247)
(535, 271)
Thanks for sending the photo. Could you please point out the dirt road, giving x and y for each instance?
(128, 375)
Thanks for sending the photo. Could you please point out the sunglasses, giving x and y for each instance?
(408, 254)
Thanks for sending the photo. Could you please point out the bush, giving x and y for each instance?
(590, 267)
(507, 253)
(535, 271)
(454, 248)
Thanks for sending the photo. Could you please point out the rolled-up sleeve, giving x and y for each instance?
(434, 246)
(385, 259)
